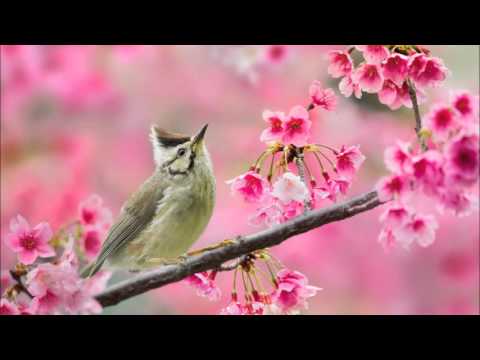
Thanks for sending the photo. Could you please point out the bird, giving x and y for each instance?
(168, 213)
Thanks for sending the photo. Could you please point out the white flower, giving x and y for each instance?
(289, 187)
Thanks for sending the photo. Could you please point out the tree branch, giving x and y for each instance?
(418, 119)
(214, 258)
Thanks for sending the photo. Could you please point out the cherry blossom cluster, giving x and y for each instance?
(386, 70)
(249, 60)
(52, 284)
(283, 193)
(447, 172)
(288, 295)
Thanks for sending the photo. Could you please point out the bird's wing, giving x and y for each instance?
(135, 216)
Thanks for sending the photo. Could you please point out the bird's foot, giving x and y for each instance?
(211, 247)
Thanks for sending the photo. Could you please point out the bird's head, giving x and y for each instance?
(176, 152)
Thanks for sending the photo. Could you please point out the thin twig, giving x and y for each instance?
(416, 111)
(242, 245)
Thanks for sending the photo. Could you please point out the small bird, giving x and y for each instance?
(170, 210)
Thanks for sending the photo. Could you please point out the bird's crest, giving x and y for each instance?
(167, 138)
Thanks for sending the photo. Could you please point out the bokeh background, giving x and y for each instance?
(75, 120)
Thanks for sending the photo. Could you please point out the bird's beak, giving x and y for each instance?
(197, 139)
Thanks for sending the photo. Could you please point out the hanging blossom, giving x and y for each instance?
(447, 172)
(281, 194)
(205, 285)
(55, 286)
(282, 292)
(386, 71)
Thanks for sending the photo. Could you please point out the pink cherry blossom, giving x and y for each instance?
(270, 214)
(387, 238)
(293, 290)
(349, 160)
(395, 215)
(331, 189)
(254, 308)
(388, 95)
(297, 127)
(251, 185)
(463, 163)
(340, 64)
(5, 281)
(52, 285)
(427, 170)
(324, 98)
(461, 203)
(8, 308)
(83, 300)
(395, 68)
(441, 120)
(58, 289)
(205, 285)
(373, 54)
(91, 242)
(47, 303)
(398, 158)
(348, 87)
(234, 308)
(395, 97)
(28, 308)
(290, 210)
(93, 212)
(393, 186)
(426, 71)
(368, 77)
(465, 105)
(275, 130)
(289, 187)
(27, 242)
(420, 228)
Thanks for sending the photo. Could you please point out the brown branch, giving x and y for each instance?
(416, 111)
(242, 245)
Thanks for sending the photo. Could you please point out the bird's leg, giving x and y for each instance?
(211, 247)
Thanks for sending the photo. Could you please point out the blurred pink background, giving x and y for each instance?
(75, 121)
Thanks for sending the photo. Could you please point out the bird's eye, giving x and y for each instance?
(181, 152)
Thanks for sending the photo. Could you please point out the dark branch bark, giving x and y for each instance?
(213, 259)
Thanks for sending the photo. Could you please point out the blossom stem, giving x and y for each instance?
(245, 286)
(299, 160)
(335, 152)
(329, 161)
(270, 171)
(416, 111)
(319, 161)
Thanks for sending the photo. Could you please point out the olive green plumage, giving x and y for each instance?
(170, 210)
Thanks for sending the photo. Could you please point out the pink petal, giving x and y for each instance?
(43, 232)
(27, 257)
